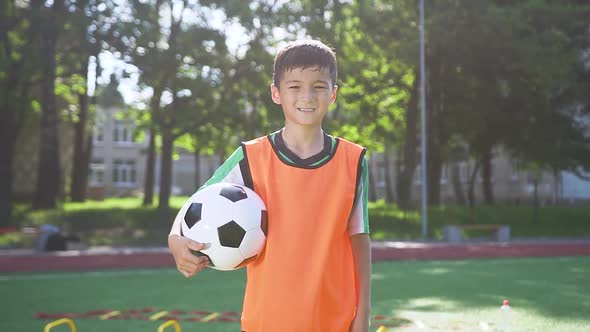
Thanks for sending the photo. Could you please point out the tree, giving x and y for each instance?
(554, 91)
(378, 82)
(49, 171)
(88, 21)
(18, 69)
(179, 58)
(494, 67)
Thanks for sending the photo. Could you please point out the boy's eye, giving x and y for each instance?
(294, 87)
(320, 87)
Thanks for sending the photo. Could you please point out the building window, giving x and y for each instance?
(124, 173)
(98, 135)
(97, 172)
(463, 172)
(444, 177)
(122, 132)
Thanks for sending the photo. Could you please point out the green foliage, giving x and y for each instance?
(109, 95)
(510, 74)
(502, 74)
(123, 221)
(373, 69)
(387, 221)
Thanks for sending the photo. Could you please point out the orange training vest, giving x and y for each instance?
(304, 280)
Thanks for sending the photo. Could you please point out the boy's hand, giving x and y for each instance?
(186, 262)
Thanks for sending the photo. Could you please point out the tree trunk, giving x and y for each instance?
(472, 179)
(437, 137)
(471, 194)
(486, 172)
(80, 162)
(535, 199)
(197, 155)
(556, 187)
(166, 170)
(148, 189)
(49, 172)
(434, 144)
(406, 176)
(211, 164)
(457, 185)
(388, 180)
(9, 127)
(372, 187)
(86, 168)
(12, 93)
(150, 165)
(222, 155)
(433, 177)
(8, 134)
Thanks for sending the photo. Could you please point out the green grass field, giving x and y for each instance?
(548, 294)
(123, 221)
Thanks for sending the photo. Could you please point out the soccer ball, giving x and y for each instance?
(231, 221)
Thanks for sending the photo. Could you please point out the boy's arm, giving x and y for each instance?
(181, 247)
(361, 251)
(358, 229)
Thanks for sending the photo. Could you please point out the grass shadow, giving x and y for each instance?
(552, 287)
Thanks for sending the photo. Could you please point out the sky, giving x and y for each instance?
(129, 88)
(237, 38)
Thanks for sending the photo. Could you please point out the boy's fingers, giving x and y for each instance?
(189, 269)
(196, 246)
(192, 261)
(185, 273)
(188, 259)
(192, 255)
(202, 262)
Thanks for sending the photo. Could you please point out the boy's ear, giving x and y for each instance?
(274, 92)
(333, 95)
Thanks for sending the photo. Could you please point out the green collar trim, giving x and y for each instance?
(291, 159)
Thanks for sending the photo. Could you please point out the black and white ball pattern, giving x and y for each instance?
(231, 221)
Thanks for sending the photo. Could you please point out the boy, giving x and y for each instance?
(314, 273)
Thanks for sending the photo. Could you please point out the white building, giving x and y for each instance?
(118, 156)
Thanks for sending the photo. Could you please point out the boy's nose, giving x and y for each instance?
(309, 94)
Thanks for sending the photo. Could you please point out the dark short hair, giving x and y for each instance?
(305, 54)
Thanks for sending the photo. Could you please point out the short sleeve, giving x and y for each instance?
(358, 222)
(230, 171)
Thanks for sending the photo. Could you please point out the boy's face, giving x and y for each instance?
(305, 96)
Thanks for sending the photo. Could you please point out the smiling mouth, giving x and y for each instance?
(306, 110)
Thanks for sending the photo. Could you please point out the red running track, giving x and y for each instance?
(97, 259)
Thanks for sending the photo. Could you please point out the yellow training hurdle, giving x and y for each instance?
(61, 321)
(162, 327)
(70, 322)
